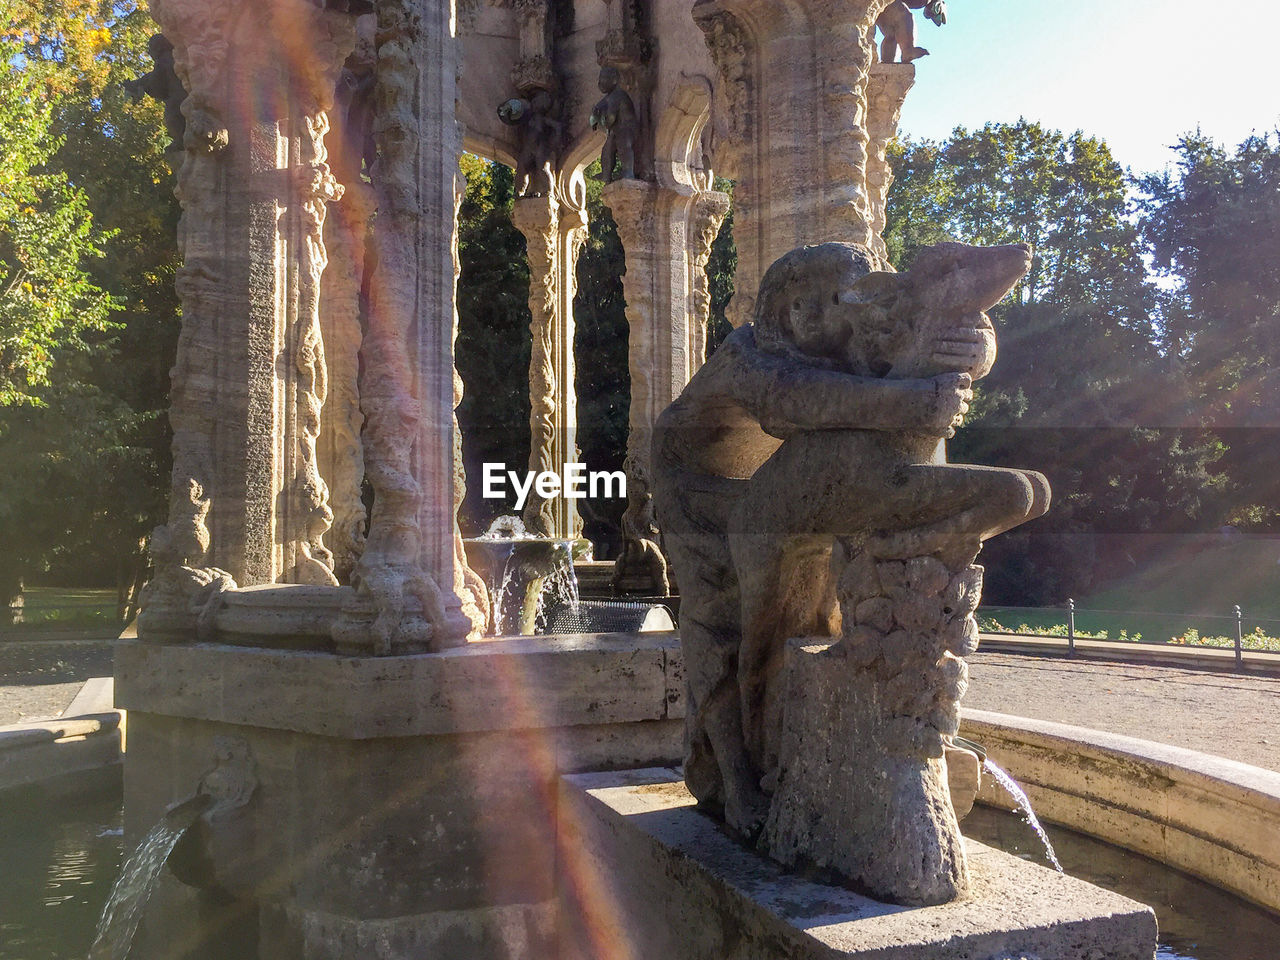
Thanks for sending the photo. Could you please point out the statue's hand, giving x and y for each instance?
(952, 394)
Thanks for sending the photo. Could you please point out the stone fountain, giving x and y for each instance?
(419, 789)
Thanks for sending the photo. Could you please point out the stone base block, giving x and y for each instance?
(513, 932)
(643, 873)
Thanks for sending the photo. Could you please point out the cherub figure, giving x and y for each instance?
(898, 26)
(540, 134)
(162, 84)
(616, 114)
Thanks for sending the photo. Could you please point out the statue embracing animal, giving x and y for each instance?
(813, 433)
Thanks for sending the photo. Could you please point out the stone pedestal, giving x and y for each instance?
(646, 875)
(399, 807)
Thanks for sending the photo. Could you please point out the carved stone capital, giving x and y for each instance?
(534, 73)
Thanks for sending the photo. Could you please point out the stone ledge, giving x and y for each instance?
(664, 880)
(509, 684)
(1208, 816)
(45, 750)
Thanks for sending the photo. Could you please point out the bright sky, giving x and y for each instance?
(1137, 74)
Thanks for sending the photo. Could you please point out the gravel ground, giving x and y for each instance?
(39, 678)
(1221, 713)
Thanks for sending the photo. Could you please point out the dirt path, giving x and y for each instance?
(39, 678)
(1237, 717)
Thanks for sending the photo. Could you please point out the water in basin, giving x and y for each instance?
(1197, 921)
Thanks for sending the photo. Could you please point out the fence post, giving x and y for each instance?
(1071, 628)
(1239, 638)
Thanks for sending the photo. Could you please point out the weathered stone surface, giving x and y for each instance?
(841, 805)
(645, 869)
(543, 682)
(249, 378)
(667, 304)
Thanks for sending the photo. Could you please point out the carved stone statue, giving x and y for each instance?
(641, 558)
(616, 114)
(540, 134)
(898, 26)
(811, 448)
(162, 84)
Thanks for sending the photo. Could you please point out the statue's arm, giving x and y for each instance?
(787, 395)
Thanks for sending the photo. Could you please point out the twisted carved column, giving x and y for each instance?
(411, 591)
(554, 233)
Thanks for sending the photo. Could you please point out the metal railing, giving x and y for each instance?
(1191, 630)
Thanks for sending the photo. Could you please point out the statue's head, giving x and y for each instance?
(829, 305)
(158, 46)
(608, 79)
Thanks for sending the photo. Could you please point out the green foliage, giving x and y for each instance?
(49, 305)
(1081, 391)
(1213, 225)
(493, 345)
(85, 352)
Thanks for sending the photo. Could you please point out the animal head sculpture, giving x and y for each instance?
(828, 305)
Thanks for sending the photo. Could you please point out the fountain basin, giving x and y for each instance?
(1213, 818)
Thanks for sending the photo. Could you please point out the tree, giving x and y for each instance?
(89, 423)
(1213, 224)
(1081, 390)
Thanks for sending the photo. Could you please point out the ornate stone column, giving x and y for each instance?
(709, 209)
(339, 448)
(248, 504)
(554, 233)
(410, 581)
(790, 125)
(886, 93)
(666, 233)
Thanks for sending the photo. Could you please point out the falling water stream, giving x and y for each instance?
(137, 878)
(1020, 797)
(559, 583)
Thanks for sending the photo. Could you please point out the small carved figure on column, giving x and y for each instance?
(539, 140)
(356, 87)
(616, 113)
(162, 84)
(898, 26)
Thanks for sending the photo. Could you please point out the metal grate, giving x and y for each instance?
(609, 616)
